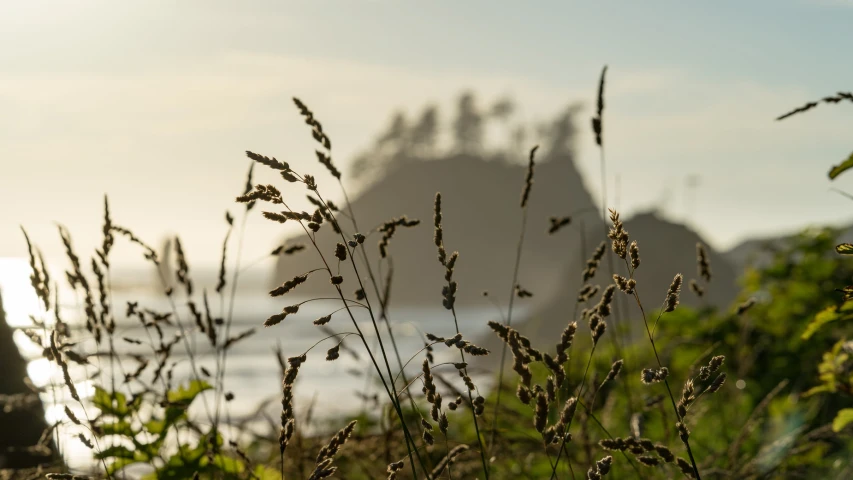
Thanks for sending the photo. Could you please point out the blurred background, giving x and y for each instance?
(154, 103)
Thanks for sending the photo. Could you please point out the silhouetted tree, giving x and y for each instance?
(389, 145)
(468, 126)
(503, 109)
(423, 135)
(396, 137)
(362, 165)
(561, 132)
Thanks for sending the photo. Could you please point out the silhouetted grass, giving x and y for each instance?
(436, 431)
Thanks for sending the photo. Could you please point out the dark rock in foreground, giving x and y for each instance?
(21, 412)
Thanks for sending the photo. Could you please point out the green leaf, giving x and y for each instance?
(264, 473)
(101, 398)
(135, 403)
(844, 312)
(118, 428)
(183, 464)
(844, 417)
(816, 390)
(117, 451)
(827, 315)
(146, 451)
(178, 469)
(844, 248)
(110, 403)
(178, 402)
(119, 464)
(185, 396)
(189, 455)
(831, 365)
(159, 427)
(841, 167)
(229, 465)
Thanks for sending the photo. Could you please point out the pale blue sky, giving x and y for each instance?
(154, 102)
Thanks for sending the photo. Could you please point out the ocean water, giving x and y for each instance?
(252, 371)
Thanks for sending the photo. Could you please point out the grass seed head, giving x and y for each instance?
(528, 180)
(673, 293)
(634, 254)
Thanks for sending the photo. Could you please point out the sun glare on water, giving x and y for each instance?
(21, 305)
(19, 297)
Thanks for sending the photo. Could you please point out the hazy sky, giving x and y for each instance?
(153, 102)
